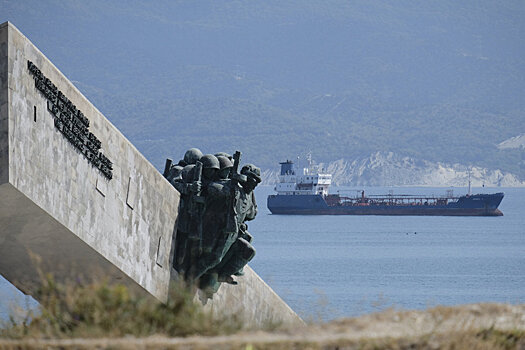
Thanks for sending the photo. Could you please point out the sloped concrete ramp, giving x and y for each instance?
(78, 200)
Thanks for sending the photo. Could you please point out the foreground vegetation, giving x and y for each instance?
(102, 310)
(107, 316)
(489, 339)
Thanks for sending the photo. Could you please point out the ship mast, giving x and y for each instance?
(308, 170)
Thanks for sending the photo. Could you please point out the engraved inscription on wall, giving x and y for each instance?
(71, 122)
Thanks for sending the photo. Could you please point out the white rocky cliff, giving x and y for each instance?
(390, 169)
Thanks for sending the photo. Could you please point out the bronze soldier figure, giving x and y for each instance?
(188, 183)
(241, 251)
(212, 242)
(225, 167)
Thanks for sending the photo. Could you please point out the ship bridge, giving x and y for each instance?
(311, 182)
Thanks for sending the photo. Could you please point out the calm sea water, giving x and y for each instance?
(336, 266)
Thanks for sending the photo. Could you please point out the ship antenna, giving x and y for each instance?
(309, 158)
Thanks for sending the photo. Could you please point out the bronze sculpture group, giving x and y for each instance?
(212, 244)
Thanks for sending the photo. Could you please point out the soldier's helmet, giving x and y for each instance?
(187, 173)
(224, 154)
(209, 161)
(175, 171)
(192, 155)
(224, 162)
(252, 171)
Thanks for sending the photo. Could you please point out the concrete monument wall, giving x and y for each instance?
(127, 220)
(77, 198)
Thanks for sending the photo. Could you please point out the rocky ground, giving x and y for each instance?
(477, 326)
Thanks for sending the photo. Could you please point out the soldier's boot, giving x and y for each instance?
(227, 279)
(209, 284)
(242, 254)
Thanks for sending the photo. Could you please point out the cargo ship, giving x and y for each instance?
(307, 194)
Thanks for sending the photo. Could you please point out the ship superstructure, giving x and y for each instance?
(310, 182)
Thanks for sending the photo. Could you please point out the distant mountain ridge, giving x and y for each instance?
(440, 81)
(390, 169)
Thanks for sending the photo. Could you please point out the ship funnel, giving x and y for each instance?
(287, 168)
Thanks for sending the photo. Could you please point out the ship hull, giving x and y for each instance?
(475, 205)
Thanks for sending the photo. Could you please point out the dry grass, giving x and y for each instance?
(488, 339)
(106, 316)
(101, 310)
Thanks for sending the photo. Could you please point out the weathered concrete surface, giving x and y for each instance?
(4, 153)
(122, 219)
(254, 301)
(54, 204)
(32, 242)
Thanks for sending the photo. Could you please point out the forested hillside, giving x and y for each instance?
(442, 81)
